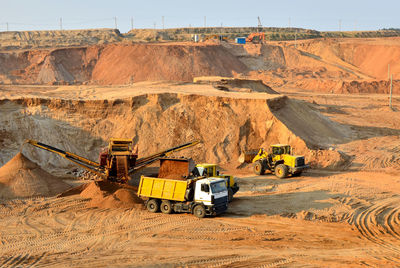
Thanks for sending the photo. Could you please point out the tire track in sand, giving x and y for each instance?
(378, 219)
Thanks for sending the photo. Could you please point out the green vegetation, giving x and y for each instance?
(272, 33)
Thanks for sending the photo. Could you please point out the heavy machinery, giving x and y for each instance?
(258, 37)
(117, 161)
(199, 196)
(210, 170)
(255, 38)
(279, 160)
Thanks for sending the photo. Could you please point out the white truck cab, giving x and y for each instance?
(212, 192)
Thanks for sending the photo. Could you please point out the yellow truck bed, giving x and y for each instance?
(162, 188)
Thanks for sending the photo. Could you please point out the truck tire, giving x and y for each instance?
(166, 207)
(230, 194)
(153, 205)
(199, 211)
(258, 168)
(281, 171)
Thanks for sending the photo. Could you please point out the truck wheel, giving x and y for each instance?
(166, 207)
(258, 168)
(152, 205)
(230, 194)
(281, 171)
(199, 211)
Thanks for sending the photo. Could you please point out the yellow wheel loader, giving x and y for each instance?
(279, 160)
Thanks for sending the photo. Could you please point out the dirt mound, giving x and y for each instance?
(20, 177)
(105, 194)
(367, 87)
(121, 64)
(235, 84)
(227, 125)
(117, 64)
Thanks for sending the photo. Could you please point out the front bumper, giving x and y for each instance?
(299, 169)
(219, 207)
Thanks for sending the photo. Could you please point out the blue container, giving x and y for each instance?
(240, 40)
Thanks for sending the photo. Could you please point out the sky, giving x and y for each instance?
(322, 15)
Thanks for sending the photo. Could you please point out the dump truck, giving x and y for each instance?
(279, 160)
(199, 196)
(117, 161)
(210, 170)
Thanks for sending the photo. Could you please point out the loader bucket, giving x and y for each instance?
(248, 156)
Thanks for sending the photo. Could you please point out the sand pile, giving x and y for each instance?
(121, 64)
(106, 194)
(20, 177)
(235, 84)
(117, 64)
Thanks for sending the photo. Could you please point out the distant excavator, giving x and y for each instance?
(117, 161)
(258, 37)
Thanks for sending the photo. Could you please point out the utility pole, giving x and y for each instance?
(7, 26)
(131, 23)
(115, 22)
(205, 22)
(290, 26)
(61, 24)
(340, 25)
(155, 25)
(162, 18)
(391, 91)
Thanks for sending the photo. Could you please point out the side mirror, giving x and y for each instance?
(205, 188)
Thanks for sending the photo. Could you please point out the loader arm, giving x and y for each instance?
(76, 159)
(142, 162)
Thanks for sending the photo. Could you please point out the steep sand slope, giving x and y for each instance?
(20, 177)
(117, 64)
(370, 56)
(121, 64)
(226, 123)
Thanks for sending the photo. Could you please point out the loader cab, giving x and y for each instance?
(207, 170)
(279, 151)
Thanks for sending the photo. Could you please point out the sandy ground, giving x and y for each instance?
(324, 218)
(345, 215)
(320, 219)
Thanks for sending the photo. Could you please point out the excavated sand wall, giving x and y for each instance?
(117, 64)
(226, 126)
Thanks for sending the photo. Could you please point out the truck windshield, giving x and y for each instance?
(217, 187)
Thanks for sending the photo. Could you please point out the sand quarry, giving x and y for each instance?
(327, 98)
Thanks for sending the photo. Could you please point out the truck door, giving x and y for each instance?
(202, 192)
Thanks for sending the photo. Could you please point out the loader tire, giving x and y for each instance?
(199, 211)
(281, 171)
(258, 168)
(166, 207)
(153, 205)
